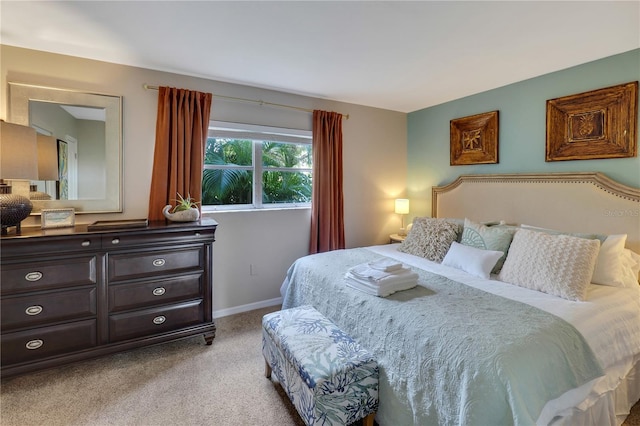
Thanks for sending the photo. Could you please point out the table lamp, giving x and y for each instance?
(19, 165)
(47, 165)
(402, 208)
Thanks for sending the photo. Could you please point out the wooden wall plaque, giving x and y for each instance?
(597, 124)
(474, 139)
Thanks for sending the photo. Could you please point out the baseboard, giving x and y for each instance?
(245, 308)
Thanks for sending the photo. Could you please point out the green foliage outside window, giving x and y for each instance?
(286, 172)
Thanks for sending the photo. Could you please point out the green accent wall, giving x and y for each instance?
(522, 121)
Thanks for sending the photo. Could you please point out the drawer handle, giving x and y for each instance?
(159, 319)
(34, 344)
(158, 262)
(115, 241)
(33, 310)
(86, 243)
(33, 276)
(159, 291)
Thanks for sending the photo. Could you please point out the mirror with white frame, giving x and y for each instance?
(87, 131)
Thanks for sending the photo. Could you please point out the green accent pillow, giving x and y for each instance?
(488, 238)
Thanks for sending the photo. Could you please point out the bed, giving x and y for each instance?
(467, 347)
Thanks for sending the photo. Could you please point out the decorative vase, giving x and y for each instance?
(190, 215)
(14, 209)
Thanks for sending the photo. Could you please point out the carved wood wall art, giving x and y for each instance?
(597, 124)
(474, 139)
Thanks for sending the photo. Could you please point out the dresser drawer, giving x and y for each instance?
(63, 244)
(141, 264)
(161, 291)
(47, 341)
(157, 320)
(23, 277)
(123, 240)
(31, 310)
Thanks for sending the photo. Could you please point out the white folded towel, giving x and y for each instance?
(386, 264)
(372, 279)
(367, 272)
(376, 290)
(406, 277)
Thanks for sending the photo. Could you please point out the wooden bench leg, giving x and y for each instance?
(267, 371)
(368, 421)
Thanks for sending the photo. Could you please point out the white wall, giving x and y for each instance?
(375, 165)
(92, 172)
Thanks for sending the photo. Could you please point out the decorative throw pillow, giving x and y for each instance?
(473, 260)
(632, 260)
(561, 265)
(430, 238)
(630, 268)
(488, 238)
(459, 223)
(608, 270)
(591, 236)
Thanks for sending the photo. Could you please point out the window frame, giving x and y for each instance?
(257, 134)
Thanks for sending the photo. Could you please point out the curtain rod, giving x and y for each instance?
(259, 102)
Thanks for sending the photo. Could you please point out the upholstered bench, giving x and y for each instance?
(329, 377)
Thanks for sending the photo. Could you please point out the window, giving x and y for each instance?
(234, 179)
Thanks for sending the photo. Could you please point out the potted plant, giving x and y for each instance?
(185, 210)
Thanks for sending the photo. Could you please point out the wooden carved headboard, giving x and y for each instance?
(572, 202)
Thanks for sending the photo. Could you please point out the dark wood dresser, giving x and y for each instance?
(69, 294)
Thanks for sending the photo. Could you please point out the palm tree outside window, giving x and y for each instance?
(233, 179)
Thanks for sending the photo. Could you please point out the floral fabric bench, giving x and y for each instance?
(329, 377)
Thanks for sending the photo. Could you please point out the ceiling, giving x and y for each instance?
(395, 55)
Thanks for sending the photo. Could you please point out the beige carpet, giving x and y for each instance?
(634, 417)
(178, 383)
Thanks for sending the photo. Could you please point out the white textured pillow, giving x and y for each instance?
(561, 265)
(608, 269)
(473, 260)
(591, 236)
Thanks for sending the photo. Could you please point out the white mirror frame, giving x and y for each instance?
(19, 96)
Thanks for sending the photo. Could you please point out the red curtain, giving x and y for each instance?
(181, 133)
(327, 206)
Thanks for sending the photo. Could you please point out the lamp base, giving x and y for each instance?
(14, 209)
(39, 195)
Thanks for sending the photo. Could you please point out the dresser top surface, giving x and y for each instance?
(82, 229)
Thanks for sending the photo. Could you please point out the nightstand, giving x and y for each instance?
(396, 238)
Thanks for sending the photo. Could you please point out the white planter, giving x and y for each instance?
(190, 215)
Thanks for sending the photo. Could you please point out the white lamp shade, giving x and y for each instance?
(47, 158)
(402, 206)
(18, 152)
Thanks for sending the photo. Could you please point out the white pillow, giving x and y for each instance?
(630, 268)
(561, 265)
(473, 260)
(608, 270)
(633, 260)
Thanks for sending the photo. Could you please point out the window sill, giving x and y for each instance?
(209, 211)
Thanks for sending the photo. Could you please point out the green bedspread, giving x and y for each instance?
(449, 354)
